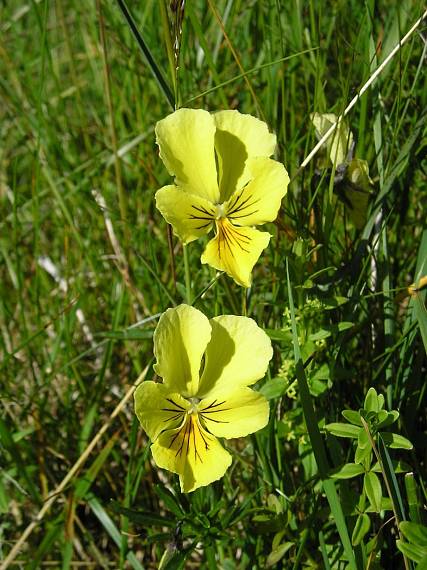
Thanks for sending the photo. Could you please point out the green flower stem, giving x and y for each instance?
(244, 302)
(189, 293)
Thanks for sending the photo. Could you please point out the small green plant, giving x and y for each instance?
(366, 428)
(415, 546)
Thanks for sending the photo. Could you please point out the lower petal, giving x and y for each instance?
(190, 216)
(193, 453)
(235, 250)
(237, 414)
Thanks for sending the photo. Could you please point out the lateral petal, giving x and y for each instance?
(259, 201)
(158, 408)
(235, 250)
(190, 216)
(186, 142)
(193, 453)
(237, 414)
(180, 340)
(237, 355)
(239, 137)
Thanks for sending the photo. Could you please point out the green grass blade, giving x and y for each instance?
(316, 438)
(390, 475)
(154, 67)
(108, 524)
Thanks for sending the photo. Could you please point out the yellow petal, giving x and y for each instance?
(239, 137)
(339, 142)
(186, 141)
(180, 340)
(237, 355)
(259, 201)
(235, 250)
(158, 408)
(190, 216)
(193, 453)
(242, 412)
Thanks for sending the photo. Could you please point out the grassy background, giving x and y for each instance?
(86, 267)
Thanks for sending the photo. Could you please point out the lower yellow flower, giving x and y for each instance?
(206, 366)
(224, 180)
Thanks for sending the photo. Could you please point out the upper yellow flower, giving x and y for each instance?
(223, 179)
(206, 366)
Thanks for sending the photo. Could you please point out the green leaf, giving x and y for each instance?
(371, 401)
(278, 553)
(372, 487)
(414, 499)
(422, 564)
(267, 523)
(145, 519)
(363, 439)
(362, 453)
(274, 387)
(343, 430)
(329, 330)
(381, 416)
(333, 302)
(280, 335)
(361, 528)
(386, 505)
(172, 559)
(412, 551)
(348, 471)
(170, 501)
(398, 467)
(396, 441)
(414, 532)
(389, 419)
(352, 417)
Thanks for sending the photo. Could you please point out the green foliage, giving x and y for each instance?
(415, 544)
(364, 430)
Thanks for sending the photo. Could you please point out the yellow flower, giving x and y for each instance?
(352, 181)
(340, 142)
(223, 180)
(206, 366)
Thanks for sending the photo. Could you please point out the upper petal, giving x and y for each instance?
(237, 355)
(190, 216)
(193, 453)
(235, 250)
(158, 408)
(259, 201)
(234, 414)
(239, 137)
(186, 142)
(180, 340)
